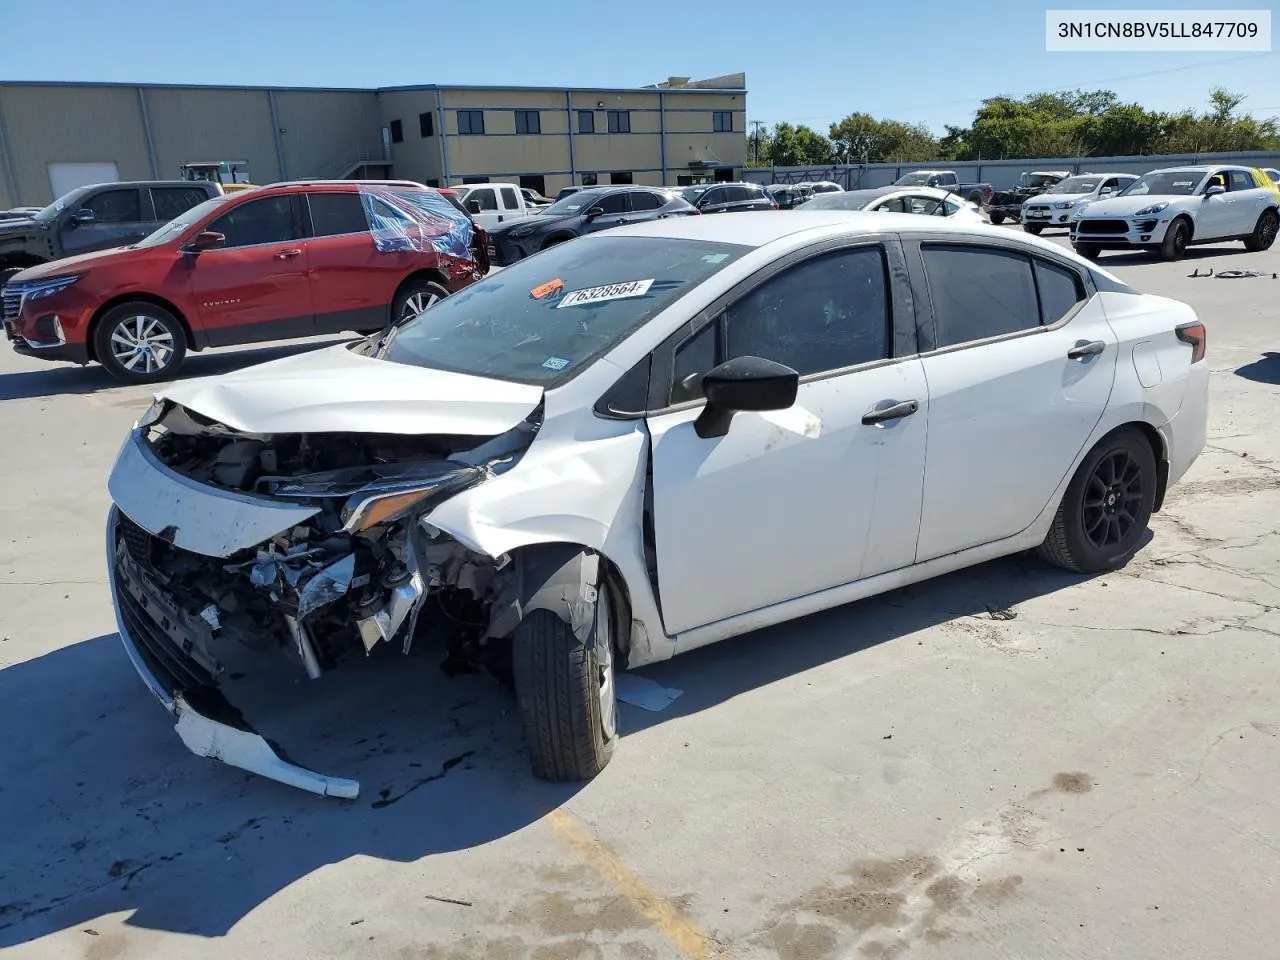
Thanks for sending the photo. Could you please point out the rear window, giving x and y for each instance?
(546, 318)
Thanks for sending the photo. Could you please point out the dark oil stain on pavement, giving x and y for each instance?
(386, 798)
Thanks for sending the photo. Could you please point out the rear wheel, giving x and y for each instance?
(1174, 246)
(139, 342)
(414, 297)
(566, 692)
(1033, 228)
(1102, 517)
(1264, 232)
(997, 218)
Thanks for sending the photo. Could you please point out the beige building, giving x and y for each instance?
(55, 136)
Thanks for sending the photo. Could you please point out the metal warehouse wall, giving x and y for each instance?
(150, 131)
(1001, 174)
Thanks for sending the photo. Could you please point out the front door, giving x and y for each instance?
(790, 502)
(255, 286)
(1216, 215)
(1021, 378)
(613, 207)
(117, 220)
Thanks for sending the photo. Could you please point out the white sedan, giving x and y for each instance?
(927, 201)
(1167, 210)
(641, 442)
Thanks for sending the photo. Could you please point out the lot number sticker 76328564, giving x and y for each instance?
(610, 291)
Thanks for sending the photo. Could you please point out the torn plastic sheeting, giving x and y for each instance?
(644, 693)
(420, 221)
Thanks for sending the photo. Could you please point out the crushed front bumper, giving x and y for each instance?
(151, 631)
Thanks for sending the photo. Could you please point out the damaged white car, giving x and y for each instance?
(641, 442)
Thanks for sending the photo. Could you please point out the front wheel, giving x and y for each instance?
(415, 297)
(1033, 228)
(1104, 513)
(140, 343)
(565, 691)
(1174, 246)
(1088, 250)
(1264, 232)
(997, 218)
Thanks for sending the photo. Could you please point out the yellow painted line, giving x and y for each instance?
(664, 914)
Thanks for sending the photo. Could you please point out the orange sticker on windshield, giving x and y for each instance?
(548, 288)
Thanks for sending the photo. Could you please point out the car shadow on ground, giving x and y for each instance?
(65, 378)
(106, 811)
(1264, 370)
(1124, 258)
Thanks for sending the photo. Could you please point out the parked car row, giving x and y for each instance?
(286, 260)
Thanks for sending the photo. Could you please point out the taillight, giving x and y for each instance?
(1192, 333)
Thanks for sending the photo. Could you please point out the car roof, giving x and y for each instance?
(1201, 168)
(757, 229)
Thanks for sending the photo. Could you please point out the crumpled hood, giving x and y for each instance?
(336, 390)
(1127, 206)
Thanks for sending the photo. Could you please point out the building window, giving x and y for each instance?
(471, 122)
(397, 131)
(475, 179)
(722, 121)
(619, 121)
(586, 121)
(426, 124)
(589, 180)
(528, 121)
(434, 182)
(620, 176)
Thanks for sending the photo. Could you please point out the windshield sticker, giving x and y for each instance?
(556, 363)
(610, 291)
(1182, 183)
(546, 289)
(715, 258)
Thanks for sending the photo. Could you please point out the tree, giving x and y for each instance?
(861, 138)
(792, 146)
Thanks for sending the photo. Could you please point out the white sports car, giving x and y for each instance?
(928, 201)
(640, 442)
(1168, 210)
(1066, 199)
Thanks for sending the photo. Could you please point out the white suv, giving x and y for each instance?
(1066, 198)
(1165, 210)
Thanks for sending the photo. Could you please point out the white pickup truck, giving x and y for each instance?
(493, 203)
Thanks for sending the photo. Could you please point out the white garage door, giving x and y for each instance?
(65, 177)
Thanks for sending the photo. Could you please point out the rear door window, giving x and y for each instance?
(979, 292)
(1240, 180)
(643, 200)
(509, 198)
(336, 214)
(1060, 291)
(170, 202)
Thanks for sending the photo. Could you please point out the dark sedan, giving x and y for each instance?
(729, 197)
(584, 211)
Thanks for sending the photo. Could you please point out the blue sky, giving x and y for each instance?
(925, 61)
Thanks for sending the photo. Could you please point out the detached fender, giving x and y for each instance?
(560, 577)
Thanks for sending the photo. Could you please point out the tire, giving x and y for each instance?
(570, 725)
(1174, 245)
(139, 342)
(414, 297)
(555, 240)
(975, 198)
(1034, 229)
(1264, 232)
(1088, 250)
(997, 218)
(1102, 516)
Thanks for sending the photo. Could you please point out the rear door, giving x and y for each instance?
(351, 282)
(511, 204)
(643, 206)
(1248, 200)
(117, 220)
(255, 286)
(1020, 372)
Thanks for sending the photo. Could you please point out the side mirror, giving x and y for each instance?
(81, 216)
(745, 383)
(206, 240)
(473, 206)
(1214, 190)
(1105, 192)
(595, 212)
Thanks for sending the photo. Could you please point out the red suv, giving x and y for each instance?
(287, 260)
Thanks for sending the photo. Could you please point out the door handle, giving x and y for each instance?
(895, 412)
(499, 218)
(1082, 350)
(286, 254)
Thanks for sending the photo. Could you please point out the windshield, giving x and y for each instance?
(573, 203)
(1171, 183)
(180, 223)
(62, 203)
(840, 201)
(545, 318)
(1076, 185)
(918, 179)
